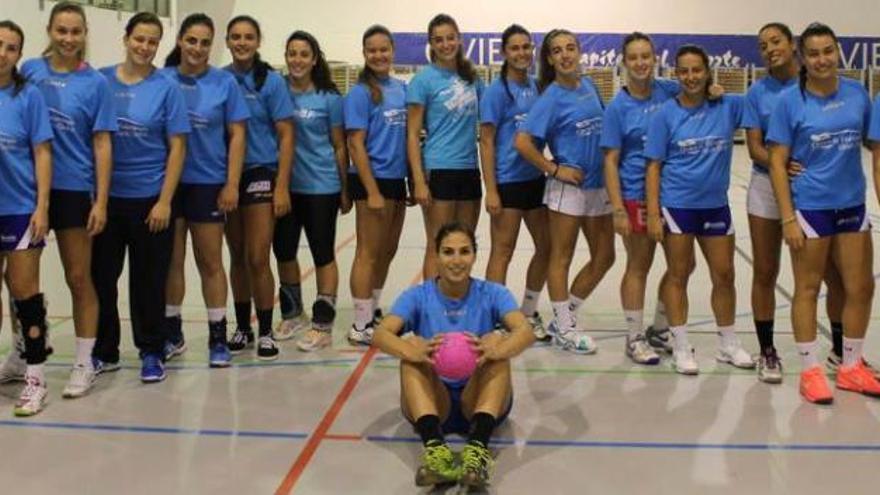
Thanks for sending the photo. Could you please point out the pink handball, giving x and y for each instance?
(455, 359)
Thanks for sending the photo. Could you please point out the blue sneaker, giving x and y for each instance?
(219, 356)
(152, 368)
(174, 348)
(105, 366)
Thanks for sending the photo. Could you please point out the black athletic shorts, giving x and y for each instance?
(69, 209)
(525, 195)
(393, 189)
(455, 185)
(257, 186)
(198, 203)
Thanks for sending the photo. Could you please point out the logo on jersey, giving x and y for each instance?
(309, 113)
(197, 120)
(61, 121)
(395, 117)
(461, 99)
(9, 143)
(834, 105)
(708, 144)
(131, 128)
(588, 127)
(841, 140)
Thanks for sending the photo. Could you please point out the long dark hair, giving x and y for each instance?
(321, 77)
(367, 76)
(781, 27)
(463, 66)
(813, 30)
(508, 33)
(17, 79)
(690, 49)
(66, 8)
(261, 69)
(546, 72)
(199, 19)
(633, 37)
(143, 18)
(452, 227)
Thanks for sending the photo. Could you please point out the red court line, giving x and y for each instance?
(320, 434)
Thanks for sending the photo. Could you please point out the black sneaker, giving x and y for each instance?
(241, 340)
(267, 349)
(659, 339)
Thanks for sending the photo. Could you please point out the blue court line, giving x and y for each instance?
(808, 447)
(205, 367)
(153, 430)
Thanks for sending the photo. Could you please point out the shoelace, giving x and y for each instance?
(438, 457)
(475, 457)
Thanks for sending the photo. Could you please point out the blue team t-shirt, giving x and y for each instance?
(315, 114)
(625, 128)
(824, 135)
(695, 146)
(761, 99)
(24, 123)
(874, 128)
(79, 105)
(213, 101)
(148, 112)
(269, 105)
(385, 126)
(507, 113)
(451, 110)
(427, 312)
(570, 121)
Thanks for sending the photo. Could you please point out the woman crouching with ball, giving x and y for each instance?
(447, 387)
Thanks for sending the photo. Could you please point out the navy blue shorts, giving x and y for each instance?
(456, 422)
(699, 221)
(15, 233)
(198, 203)
(824, 223)
(257, 186)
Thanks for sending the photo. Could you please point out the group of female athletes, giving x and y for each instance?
(132, 157)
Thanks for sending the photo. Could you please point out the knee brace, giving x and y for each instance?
(31, 313)
(324, 312)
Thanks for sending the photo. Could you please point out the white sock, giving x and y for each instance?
(660, 321)
(809, 356)
(681, 338)
(530, 302)
(852, 351)
(84, 351)
(634, 322)
(727, 337)
(171, 311)
(563, 315)
(377, 298)
(575, 303)
(36, 371)
(216, 314)
(363, 312)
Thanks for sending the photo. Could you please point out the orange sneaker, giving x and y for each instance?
(814, 386)
(859, 379)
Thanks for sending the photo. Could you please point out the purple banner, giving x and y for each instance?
(604, 49)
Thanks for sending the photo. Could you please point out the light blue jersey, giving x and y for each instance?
(79, 106)
(213, 101)
(760, 102)
(427, 312)
(24, 123)
(507, 113)
(315, 114)
(269, 105)
(385, 126)
(570, 120)
(625, 128)
(695, 146)
(148, 113)
(825, 136)
(451, 108)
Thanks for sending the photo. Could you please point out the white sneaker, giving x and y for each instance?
(638, 349)
(33, 397)
(736, 356)
(684, 361)
(576, 341)
(769, 367)
(314, 340)
(360, 337)
(538, 328)
(13, 367)
(81, 380)
(288, 329)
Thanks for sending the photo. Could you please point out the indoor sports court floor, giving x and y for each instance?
(329, 422)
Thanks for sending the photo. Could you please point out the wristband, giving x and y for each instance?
(789, 220)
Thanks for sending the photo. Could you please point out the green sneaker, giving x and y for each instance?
(438, 465)
(476, 465)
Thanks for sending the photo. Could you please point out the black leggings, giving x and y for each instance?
(316, 214)
(149, 256)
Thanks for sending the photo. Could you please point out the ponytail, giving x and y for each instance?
(321, 76)
(261, 69)
(367, 76)
(173, 58)
(463, 67)
(505, 38)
